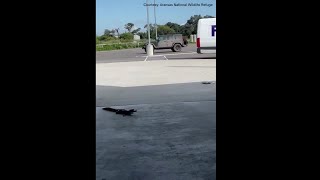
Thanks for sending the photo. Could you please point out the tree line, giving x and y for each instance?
(190, 27)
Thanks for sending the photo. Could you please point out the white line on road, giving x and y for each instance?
(170, 54)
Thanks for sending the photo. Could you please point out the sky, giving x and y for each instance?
(111, 14)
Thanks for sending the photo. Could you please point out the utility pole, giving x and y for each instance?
(155, 19)
(149, 46)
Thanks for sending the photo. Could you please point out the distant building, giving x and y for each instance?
(136, 37)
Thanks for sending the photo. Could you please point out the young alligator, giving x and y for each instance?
(120, 111)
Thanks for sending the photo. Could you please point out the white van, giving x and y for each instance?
(206, 35)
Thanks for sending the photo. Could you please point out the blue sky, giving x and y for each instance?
(112, 14)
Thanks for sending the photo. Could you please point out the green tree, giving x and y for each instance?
(101, 38)
(107, 32)
(112, 32)
(143, 35)
(176, 27)
(152, 31)
(136, 31)
(192, 24)
(163, 30)
(187, 29)
(129, 26)
(117, 31)
(126, 36)
(208, 16)
(106, 38)
(151, 27)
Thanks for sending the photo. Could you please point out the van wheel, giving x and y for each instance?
(176, 48)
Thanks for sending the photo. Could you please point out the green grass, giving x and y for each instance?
(118, 44)
(128, 45)
(118, 41)
(122, 44)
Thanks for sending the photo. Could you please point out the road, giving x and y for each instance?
(138, 54)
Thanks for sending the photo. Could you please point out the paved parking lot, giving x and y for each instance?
(167, 141)
(172, 134)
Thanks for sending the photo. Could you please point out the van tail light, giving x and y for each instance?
(198, 42)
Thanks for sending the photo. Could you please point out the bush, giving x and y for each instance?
(118, 46)
(110, 38)
(163, 30)
(143, 35)
(106, 38)
(126, 36)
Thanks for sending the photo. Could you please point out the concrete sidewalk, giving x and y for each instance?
(154, 82)
(157, 72)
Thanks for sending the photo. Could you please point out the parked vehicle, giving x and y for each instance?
(206, 35)
(171, 41)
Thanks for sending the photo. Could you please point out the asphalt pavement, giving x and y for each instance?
(138, 54)
(166, 141)
(172, 136)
